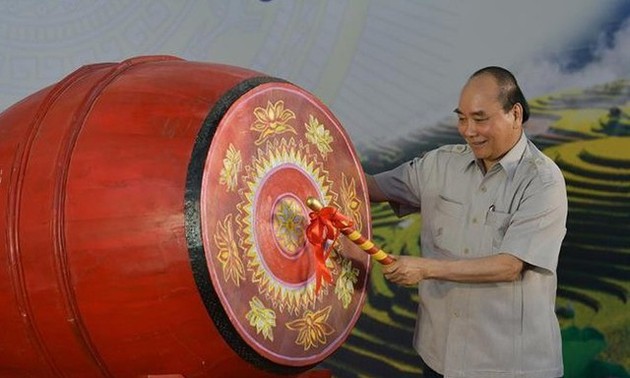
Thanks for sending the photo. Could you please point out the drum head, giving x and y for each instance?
(263, 150)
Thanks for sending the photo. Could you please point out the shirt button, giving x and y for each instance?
(456, 314)
(474, 220)
(466, 250)
(483, 189)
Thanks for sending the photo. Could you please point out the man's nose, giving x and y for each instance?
(469, 128)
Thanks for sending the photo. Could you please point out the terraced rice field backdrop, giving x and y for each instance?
(587, 133)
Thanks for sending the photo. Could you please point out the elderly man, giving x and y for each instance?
(494, 216)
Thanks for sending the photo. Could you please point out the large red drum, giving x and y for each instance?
(153, 223)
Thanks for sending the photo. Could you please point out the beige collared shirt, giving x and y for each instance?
(518, 207)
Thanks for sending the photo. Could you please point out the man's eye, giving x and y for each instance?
(481, 119)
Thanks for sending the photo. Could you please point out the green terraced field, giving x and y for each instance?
(598, 182)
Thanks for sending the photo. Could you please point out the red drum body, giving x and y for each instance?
(153, 223)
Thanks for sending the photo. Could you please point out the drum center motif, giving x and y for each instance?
(289, 220)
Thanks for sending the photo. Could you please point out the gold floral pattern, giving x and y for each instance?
(272, 120)
(278, 152)
(255, 242)
(233, 268)
(344, 287)
(317, 134)
(261, 318)
(312, 328)
(231, 167)
(289, 225)
(350, 204)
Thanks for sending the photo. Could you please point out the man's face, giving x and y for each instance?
(487, 128)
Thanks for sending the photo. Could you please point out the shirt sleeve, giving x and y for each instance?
(537, 228)
(402, 186)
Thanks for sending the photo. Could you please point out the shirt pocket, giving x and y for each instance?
(447, 225)
(494, 231)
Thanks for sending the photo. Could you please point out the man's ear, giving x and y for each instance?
(517, 112)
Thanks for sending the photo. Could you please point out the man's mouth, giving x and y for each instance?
(477, 144)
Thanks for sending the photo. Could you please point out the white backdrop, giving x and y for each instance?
(382, 66)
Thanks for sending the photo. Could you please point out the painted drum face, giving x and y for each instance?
(273, 147)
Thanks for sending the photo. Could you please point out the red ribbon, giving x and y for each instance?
(324, 226)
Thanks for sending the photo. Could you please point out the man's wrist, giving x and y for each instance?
(431, 268)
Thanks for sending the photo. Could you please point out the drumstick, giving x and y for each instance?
(355, 236)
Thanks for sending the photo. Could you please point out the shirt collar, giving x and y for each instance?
(509, 162)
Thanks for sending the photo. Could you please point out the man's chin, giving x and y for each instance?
(479, 153)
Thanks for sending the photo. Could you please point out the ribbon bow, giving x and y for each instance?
(324, 227)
